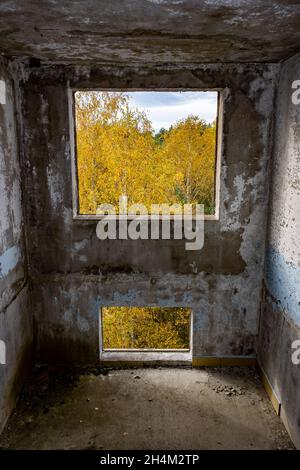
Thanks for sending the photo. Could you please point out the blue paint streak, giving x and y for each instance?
(128, 298)
(9, 260)
(199, 320)
(283, 282)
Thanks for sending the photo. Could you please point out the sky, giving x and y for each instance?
(164, 108)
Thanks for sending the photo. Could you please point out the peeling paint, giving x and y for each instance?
(15, 320)
(9, 260)
(280, 310)
(283, 281)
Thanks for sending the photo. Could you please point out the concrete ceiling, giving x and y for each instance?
(146, 31)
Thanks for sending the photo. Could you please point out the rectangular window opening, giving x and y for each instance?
(156, 333)
(151, 147)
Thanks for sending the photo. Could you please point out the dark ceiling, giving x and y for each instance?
(144, 31)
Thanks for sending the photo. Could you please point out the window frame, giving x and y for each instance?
(144, 355)
(72, 130)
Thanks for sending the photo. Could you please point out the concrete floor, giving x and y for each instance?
(150, 408)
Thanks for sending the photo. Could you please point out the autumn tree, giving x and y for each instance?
(145, 328)
(114, 150)
(118, 154)
(190, 147)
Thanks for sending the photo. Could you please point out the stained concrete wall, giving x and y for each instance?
(73, 273)
(15, 322)
(150, 31)
(280, 316)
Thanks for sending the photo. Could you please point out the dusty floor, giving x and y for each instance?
(152, 408)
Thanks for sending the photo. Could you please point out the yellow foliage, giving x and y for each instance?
(118, 154)
(145, 328)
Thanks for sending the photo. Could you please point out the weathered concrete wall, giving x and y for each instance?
(280, 317)
(74, 273)
(15, 323)
(150, 31)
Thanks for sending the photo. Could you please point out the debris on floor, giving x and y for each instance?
(151, 408)
(229, 390)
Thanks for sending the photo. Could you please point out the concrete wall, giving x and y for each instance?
(73, 273)
(15, 322)
(152, 31)
(280, 316)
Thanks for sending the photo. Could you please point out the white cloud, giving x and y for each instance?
(166, 108)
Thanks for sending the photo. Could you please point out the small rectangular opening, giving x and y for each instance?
(151, 147)
(158, 333)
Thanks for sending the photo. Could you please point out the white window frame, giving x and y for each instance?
(72, 128)
(146, 355)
